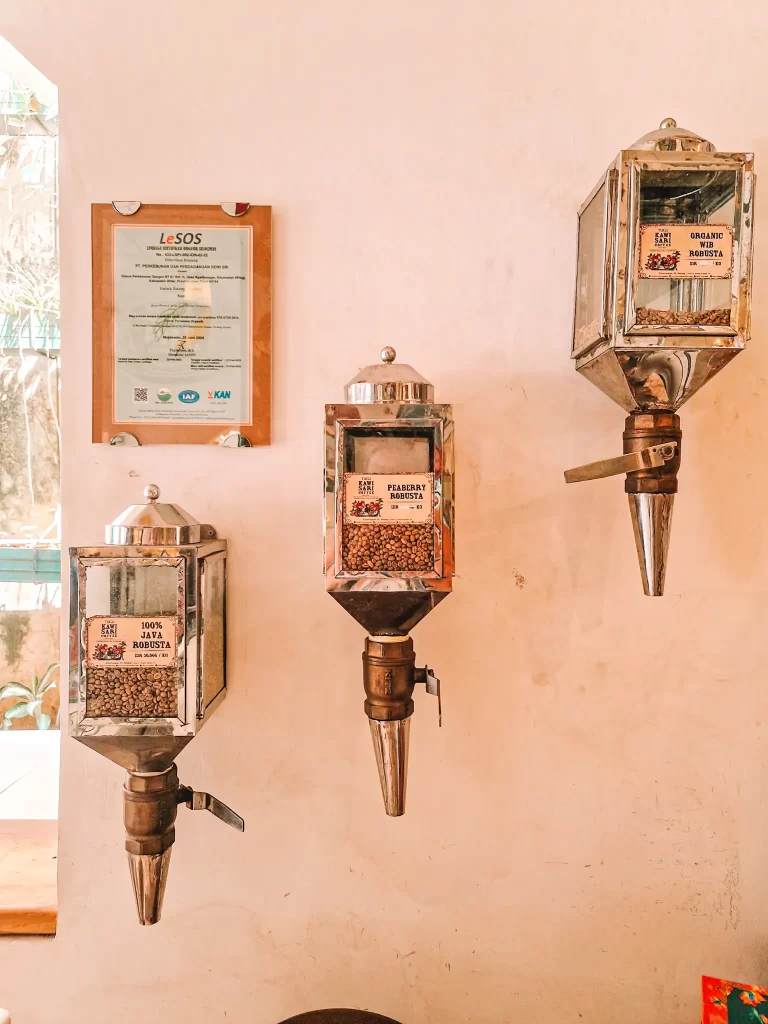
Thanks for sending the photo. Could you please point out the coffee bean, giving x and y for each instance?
(129, 692)
(682, 318)
(387, 547)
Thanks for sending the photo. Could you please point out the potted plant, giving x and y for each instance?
(30, 698)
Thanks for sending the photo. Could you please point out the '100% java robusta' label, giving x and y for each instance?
(131, 640)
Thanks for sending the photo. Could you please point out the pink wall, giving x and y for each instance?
(586, 836)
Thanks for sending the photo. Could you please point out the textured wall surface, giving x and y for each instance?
(585, 836)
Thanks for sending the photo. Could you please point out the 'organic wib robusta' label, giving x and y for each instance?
(131, 640)
(383, 498)
(686, 250)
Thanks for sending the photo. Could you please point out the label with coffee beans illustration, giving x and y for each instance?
(131, 640)
(383, 498)
(686, 250)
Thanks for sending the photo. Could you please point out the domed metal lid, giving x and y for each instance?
(389, 381)
(155, 523)
(669, 138)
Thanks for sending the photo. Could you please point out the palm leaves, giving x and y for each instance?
(31, 698)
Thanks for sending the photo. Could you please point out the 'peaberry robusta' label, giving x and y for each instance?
(382, 498)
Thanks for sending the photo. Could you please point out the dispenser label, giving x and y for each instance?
(383, 498)
(131, 640)
(686, 250)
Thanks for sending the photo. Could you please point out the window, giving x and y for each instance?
(30, 549)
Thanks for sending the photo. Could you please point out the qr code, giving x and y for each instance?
(140, 395)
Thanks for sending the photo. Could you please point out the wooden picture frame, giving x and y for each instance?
(195, 423)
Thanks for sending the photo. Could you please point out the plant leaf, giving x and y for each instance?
(33, 707)
(15, 690)
(17, 711)
(43, 720)
(47, 682)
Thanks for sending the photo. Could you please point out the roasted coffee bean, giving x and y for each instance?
(146, 692)
(681, 318)
(387, 547)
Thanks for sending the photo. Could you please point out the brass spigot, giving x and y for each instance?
(150, 803)
(389, 676)
(651, 460)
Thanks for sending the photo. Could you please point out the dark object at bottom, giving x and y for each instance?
(340, 1017)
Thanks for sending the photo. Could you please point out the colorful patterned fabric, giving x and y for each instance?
(728, 1002)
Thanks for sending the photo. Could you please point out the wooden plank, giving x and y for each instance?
(28, 851)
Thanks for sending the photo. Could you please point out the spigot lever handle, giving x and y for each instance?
(205, 802)
(427, 676)
(646, 458)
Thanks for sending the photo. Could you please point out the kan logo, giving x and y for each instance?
(219, 394)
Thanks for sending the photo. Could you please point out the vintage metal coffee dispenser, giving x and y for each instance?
(389, 539)
(663, 289)
(147, 669)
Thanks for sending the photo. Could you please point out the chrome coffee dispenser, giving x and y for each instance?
(663, 290)
(147, 669)
(389, 539)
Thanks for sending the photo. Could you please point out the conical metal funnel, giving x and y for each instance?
(390, 744)
(651, 493)
(150, 802)
(389, 670)
(652, 522)
(149, 874)
(651, 460)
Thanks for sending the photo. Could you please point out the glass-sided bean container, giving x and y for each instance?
(389, 537)
(148, 667)
(664, 262)
(148, 621)
(663, 294)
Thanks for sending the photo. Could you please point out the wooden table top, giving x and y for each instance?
(28, 851)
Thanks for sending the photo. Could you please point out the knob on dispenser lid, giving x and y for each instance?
(389, 381)
(669, 138)
(155, 522)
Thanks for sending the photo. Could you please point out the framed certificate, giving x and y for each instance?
(182, 324)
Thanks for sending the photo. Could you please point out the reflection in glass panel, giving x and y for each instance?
(131, 590)
(402, 454)
(131, 690)
(377, 541)
(590, 274)
(213, 584)
(687, 197)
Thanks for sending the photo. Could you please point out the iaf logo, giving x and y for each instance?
(188, 397)
(164, 395)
